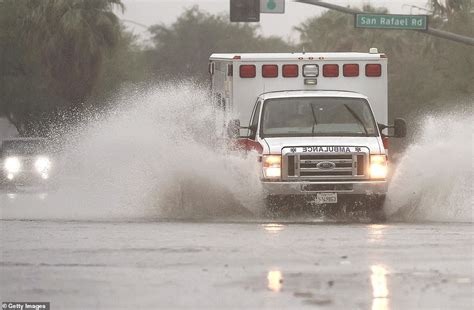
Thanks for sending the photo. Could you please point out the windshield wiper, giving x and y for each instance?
(314, 117)
(357, 118)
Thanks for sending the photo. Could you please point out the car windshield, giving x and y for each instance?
(24, 147)
(322, 116)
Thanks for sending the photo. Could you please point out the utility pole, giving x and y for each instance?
(431, 31)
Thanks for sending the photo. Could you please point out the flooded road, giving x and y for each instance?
(101, 241)
(125, 265)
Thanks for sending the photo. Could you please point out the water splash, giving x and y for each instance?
(158, 154)
(433, 181)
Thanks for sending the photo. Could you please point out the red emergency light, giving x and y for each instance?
(247, 71)
(290, 70)
(373, 70)
(350, 70)
(270, 71)
(331, 70)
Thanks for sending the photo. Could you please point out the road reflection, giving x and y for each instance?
(380, 292)
(273, 228)
(275, 280)
(376, 232)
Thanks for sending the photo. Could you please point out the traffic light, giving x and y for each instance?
(244, 10)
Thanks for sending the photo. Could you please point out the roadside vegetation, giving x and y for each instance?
(61, 58)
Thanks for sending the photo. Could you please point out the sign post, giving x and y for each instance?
(390, 21)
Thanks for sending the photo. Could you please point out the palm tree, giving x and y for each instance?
(446, 8)
(72, 37)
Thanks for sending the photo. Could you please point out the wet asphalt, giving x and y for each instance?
(227, 264)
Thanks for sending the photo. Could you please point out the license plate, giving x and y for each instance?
(322, 198)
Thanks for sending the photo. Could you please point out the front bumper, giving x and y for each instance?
(310, 188)
(26, 178)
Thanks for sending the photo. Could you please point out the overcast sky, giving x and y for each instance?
(149, 12)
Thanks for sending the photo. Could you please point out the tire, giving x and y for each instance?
(361, 208)
(374, 208)
(278, 206)
(292, 206)
(274, 205)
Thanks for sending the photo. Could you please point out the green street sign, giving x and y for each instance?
(388, 21)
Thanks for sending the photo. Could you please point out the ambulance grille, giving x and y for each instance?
(311, 167)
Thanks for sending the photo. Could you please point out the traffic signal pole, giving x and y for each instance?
(431, 31)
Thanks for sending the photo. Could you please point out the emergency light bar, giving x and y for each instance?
(247, 71)
(270, 71)
(331, 70)
(309, 70)
(373, 70)
(290, 70)
(350, 70)
(310, 81)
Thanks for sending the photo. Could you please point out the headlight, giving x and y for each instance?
(271, 166)
(42, 164)
(378, 166)
(12, 165)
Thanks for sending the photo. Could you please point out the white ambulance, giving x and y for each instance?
(316, 118)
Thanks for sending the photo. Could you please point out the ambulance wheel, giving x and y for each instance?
(276, 205)
(374, 208)
(361, 207)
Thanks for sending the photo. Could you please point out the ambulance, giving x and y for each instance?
(317, 119)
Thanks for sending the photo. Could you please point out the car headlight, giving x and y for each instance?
(378, 166)
(12, 165)
(271, 166)
(42, 164)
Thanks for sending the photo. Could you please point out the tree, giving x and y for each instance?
(182, 50)
(72, 38)
(127, 65)
(448, 8)
(21, 87)
(52, 52)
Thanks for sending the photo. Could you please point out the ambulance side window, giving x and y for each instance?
(254, 122)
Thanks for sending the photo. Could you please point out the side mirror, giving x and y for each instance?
(253, 131)
(400, 127)
(233, 129)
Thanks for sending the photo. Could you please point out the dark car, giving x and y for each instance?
(27, 162)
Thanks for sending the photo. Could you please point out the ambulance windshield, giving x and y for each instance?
(321, 116)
